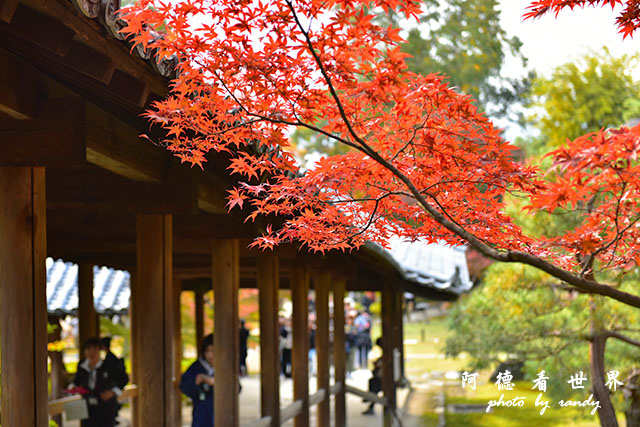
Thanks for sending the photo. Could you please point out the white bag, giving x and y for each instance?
(76, 410)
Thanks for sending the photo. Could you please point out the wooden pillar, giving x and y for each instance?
(199, 316)
(321, 286)
(23, 305)
(153, 319)
(268, 284)
(399, 332)
(388, 385)
(339, 352)
(87, 324)
(175, 356)
(300, 351)
(58, 370)
(226, 281)
(133, 339)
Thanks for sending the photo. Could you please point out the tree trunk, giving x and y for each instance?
(601, 393)
(631, 392)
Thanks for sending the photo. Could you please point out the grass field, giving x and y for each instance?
(424, 342)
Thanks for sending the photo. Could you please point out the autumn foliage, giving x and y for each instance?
(424, 163)
(627, 21)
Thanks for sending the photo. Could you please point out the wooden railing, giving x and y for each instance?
(295, 409)
(56, 406)
(372, 397)
(290, 411)
(287, 413)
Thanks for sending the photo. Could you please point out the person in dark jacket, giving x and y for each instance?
(244, 337)
(99, 386)
(375, 382)
(114, 364)
(198, 384)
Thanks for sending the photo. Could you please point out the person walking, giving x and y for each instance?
(198, 384)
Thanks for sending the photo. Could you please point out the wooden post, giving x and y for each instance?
(87, 325)
(268, 284)
(399, 331)
(199, 316)
(226, 282)
(339, 351)
(154, 320)
(133, 339)
(388, 385)
(300, 351)
(58, 370)
(174, 354)
(23, 304)
(321, 287)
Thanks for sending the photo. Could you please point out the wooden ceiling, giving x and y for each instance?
(71, 98)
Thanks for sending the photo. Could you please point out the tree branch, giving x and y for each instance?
(623, 338)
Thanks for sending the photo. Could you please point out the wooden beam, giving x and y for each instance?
(55, 137)
(129, 88)
(321, 284)
(48, 34)
(7, 9)
(268, 284)
(21, 85)
(339, 352)
(93, 189)
(152, 319)
(199, 316)
(212, 194)
(87, 327)
(225, 275)
(90, 62)
(92, 34)
(214, 226)
(116, 147)
(300, 351)
(23, 310)
(388, 384)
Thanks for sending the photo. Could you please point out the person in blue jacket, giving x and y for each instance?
(198, 384)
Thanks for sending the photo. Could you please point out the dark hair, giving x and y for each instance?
(92, 342)
(379, 342)
(206, 342)
(106, 342)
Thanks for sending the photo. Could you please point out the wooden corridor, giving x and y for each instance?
(77, 183)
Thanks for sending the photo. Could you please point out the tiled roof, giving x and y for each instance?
(436, 265)
(106, 13)
(111, 289)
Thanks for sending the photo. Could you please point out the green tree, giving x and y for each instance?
(526, 315)
(522, 312)
(598, 91)
(464, 40)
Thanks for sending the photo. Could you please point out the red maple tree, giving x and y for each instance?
(424, 163)
(628, 20)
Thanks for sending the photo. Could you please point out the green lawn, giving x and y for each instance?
(524, 416)
(423, 340)
(427, 338)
